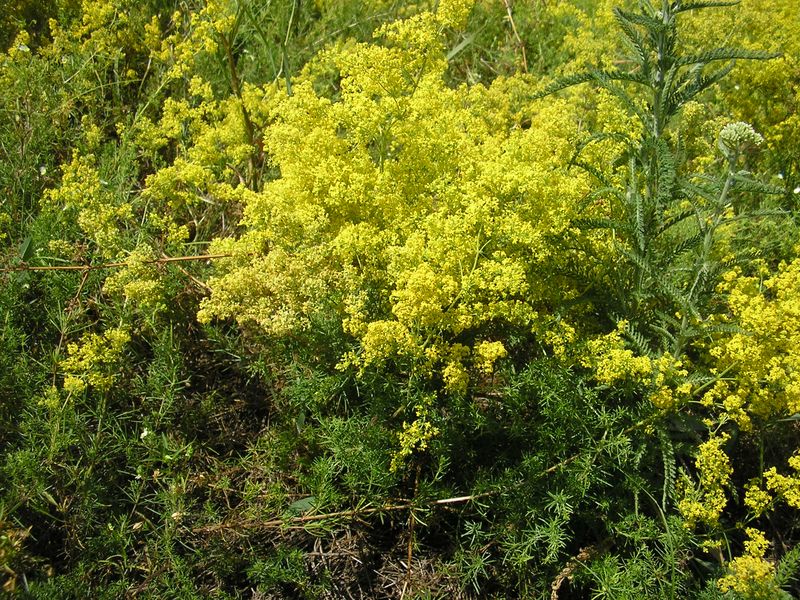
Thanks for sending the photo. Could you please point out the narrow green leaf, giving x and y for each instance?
(725, 54)
(702, 5)
(26, 249)
(302, 506)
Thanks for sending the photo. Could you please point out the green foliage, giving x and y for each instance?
(340, 299)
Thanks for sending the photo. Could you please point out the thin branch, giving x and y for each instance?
(274, 523)
(520, 43)
(113, 265)
(573, 563)
(411, 523)
(202, 285)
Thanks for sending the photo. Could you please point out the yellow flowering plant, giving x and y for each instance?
(94, 361)
(282, 270)
(750, 575)
(420, 214)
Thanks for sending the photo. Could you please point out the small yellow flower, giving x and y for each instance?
(750, 574)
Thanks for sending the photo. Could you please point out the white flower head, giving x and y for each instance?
(738, 136)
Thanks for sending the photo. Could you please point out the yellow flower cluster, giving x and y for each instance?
(138, 282)
(705, 505)
(5, 222)
(212, 141)
(756, 499)
(423, 214)
(751, 575)
(93, 362)
(100, 215)
(486, 354)
(764, 359)
(786, 486)
(671, 388)
(589, 42)
(454, 13)
(107, 33)
(613, 363)
(201, 35)
(19, 50)
(415, 436)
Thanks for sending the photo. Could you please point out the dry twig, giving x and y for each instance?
(520, 43)
(113, 265)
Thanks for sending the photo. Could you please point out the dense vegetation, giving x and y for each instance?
(392, 299)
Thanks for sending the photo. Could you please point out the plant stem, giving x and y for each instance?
(113, 265)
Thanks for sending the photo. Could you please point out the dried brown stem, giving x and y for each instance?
(520, 43)
(113, 265)
(566, 573)
(202, 285)
(275, 523)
